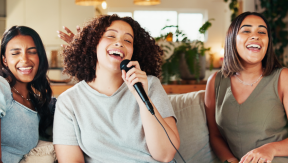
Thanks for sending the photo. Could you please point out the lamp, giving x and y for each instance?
(88, 2)
(147, 2)
(222, 52)
(104, 5)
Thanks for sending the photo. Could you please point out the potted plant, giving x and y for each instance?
(185, 61)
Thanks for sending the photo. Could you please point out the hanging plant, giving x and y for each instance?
(234, 8)
(275, 11)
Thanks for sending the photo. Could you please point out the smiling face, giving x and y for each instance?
(115, 45)
(252, 40)
(21, 58)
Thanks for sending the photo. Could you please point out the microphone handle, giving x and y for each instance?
(140, 90)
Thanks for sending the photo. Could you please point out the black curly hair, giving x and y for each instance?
(39, 88)
(80, 56)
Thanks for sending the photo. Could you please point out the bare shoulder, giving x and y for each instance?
(283, 78)
(284, 72)
(210, 91)
(283, 83)
(211, 81)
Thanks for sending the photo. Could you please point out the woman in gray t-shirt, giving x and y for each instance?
(24, 93)
(102, 118)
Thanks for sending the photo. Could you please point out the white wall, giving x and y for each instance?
(248, 5)
(47, 16)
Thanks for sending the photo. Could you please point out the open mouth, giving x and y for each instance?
(253, 47)
(25, 70)
(116, 54)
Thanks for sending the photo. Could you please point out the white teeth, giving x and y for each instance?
(116, 52)
(25, 68)
(253, 46)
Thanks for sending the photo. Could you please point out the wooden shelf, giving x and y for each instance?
(57, 89)
(178, 89)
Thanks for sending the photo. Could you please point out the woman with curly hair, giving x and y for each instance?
(102, 118)
(25, 93)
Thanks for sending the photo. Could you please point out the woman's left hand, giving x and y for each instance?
(135, 75)
(263, 154)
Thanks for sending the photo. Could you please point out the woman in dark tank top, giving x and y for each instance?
(247, 101)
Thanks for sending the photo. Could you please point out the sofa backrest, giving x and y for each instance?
(194, 135)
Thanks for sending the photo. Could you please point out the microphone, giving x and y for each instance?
(138, 87)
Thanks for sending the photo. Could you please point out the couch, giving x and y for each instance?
(193, 131)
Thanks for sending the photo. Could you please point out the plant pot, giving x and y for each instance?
(184, 70)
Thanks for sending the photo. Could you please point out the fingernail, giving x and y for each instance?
(59, 36)
(63, 27)
(58, 32)
(61, 45)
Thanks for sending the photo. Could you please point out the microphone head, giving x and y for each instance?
(123, 65)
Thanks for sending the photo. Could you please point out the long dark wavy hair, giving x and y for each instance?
(80, 56)
(232, 63)
(39, 88)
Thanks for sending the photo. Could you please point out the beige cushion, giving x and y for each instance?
(194, 136)
(42, 153)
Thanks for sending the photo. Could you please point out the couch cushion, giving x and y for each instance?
(194, 136)
(42, 153)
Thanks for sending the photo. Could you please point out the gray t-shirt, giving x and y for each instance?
(19, 126)
(107, 128)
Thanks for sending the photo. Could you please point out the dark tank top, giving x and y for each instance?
(259, 120)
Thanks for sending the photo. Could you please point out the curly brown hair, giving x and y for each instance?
(80, 56)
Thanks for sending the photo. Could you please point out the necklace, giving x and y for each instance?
(28, 99)
(248, 83)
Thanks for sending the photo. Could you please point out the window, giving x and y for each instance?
(154, 21)
(190, 23)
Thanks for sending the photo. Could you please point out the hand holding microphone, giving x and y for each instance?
(139, 89)
(137, 85)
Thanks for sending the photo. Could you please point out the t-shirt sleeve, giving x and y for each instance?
(160, 98)
(65, 125)
(5, 97)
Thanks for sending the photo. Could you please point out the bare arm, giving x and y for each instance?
(69, 154)
(219, 146)
(281, 147)
(157, 141)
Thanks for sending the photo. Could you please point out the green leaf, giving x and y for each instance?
(205, 26)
